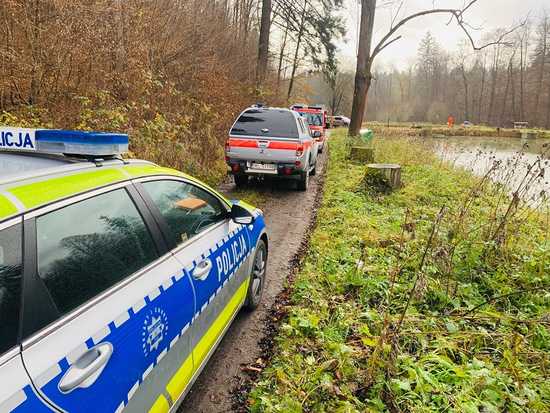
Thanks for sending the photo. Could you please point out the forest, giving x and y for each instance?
(498, 85)
(170, 72)
(185, 68)
(495, 86)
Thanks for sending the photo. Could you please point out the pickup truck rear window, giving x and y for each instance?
(266, 122)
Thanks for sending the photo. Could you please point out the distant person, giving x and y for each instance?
(450, 121)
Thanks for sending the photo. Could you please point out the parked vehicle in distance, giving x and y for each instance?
(118, 278)
(273, 142)
(339, 121)
(316, 117)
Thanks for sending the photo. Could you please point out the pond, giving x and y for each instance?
(514, 162)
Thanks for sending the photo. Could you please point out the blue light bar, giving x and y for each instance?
(92, 144)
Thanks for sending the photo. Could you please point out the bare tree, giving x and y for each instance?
(365, 57)
(263, 45)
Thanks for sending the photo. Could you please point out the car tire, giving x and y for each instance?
(257, 278)
(240, 180)
(303, 183)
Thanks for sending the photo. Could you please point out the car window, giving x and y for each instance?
(187, 209)
(266, 122)
(10, 285)
(303, 126)
(87, 247)
(314, 119)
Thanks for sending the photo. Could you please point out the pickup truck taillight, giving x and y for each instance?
(227, 145)
(299, 150)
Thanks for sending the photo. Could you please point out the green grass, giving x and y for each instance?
(342, 348)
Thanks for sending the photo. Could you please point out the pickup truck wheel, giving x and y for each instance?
(257, 278)
(303, 183)
(241, 180)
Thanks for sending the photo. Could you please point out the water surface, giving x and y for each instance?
(512, 159)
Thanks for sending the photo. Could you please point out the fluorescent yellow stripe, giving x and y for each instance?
(42, 192)
(50, 190)
(147, 169)
(6, 207)
(210, 337)
(160, 406)
(181, 379)
(177, 384)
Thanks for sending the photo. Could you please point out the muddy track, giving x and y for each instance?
(289, 218)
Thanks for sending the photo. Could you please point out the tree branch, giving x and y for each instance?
(455, 14)
(389, 42)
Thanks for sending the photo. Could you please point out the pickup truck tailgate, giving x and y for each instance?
(262, 150)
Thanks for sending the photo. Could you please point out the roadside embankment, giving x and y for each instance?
(434, 297)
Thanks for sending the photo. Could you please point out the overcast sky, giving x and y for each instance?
(488, 14)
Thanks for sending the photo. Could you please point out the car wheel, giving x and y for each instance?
(303, 183)
(241, 180)
(257, 278)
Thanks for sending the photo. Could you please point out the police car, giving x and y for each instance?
(118, 278)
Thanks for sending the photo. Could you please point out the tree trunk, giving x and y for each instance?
(297, 52)
(494, 77)
(263, 45)
(465, 80)
(281, 55)
(382, 177)
(522, 81)
(363, 75)
(540, 75)
(481, 92)
(506, 90)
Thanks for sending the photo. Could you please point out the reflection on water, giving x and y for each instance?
(514, 161)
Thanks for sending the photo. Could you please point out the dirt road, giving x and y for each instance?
(288, 216)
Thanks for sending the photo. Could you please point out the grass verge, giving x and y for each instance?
(431, 298)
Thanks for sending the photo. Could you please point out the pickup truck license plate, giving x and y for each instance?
(263, 166)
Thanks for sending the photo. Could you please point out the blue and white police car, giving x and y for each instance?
(118, 277)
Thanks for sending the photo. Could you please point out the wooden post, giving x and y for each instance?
(362, 154)
(384, 175)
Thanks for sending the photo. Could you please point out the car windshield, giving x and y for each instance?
(266, 122)
(314, 119)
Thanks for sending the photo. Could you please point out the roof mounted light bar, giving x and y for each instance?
(299, 106)
(76, 143)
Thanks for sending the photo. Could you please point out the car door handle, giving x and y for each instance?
(202, 270)
(85, 371)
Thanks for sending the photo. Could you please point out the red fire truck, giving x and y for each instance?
(316, 117)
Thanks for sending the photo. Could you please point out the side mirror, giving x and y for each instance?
(316, 134)
(241, 215)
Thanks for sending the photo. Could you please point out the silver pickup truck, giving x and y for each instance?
(271, 141)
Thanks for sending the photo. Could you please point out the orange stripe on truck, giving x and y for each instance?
(253, 143)
(243, 143)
